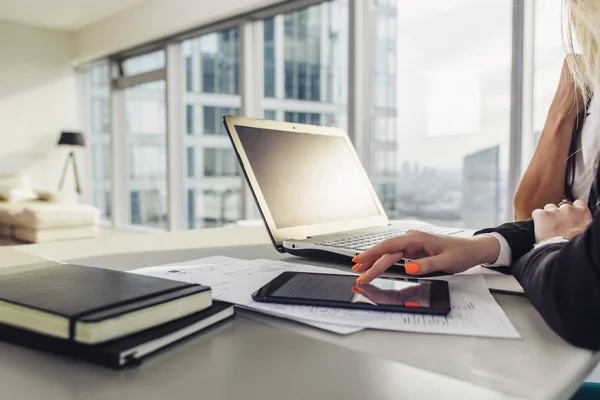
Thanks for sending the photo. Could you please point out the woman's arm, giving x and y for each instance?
(543, 182)
(544, 178)
(562, 281)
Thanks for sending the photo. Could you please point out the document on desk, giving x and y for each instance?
(234, 280)
(474, 310)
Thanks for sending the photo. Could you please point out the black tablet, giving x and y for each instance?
(333, 290)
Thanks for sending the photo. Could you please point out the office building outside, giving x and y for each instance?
(480, 205)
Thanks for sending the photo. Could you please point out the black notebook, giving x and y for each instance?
(127, 351)
(94, 305)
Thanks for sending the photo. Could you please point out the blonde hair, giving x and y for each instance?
(583, 26)
(583, 29)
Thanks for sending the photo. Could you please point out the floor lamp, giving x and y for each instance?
(71, 139)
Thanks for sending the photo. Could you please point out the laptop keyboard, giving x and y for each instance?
(363, 242)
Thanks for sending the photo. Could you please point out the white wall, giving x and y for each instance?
(37, 100)
(154, 20)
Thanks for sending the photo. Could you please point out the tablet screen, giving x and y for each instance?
(343, 288)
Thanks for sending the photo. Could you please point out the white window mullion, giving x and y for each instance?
(251, 91)
(279, 51)
(528, 144)
(85, 121)
(120, 197)
(176, 150)
(360, 97)
(517, 103)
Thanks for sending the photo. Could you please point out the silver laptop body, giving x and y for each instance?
(315, 198)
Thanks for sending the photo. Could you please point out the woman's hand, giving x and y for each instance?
(567, 220)
(428, 253)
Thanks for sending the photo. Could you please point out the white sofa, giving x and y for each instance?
(32, 216)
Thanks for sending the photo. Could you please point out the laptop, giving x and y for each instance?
(313, 194)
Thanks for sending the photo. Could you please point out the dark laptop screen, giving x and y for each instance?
(306, 178)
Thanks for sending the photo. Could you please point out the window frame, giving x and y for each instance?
(359, 108)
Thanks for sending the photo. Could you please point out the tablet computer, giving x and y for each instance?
(411, 295)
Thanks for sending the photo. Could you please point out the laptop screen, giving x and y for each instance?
(307, 178)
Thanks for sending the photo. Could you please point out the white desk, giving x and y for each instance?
(259, 357)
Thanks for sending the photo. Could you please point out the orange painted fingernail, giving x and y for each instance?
(354, 268)
(411, 304)
(360, 278)
(355, 258)
(411, 268)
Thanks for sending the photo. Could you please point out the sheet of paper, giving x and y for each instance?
(234, 280)
(496, 281)
(474, 313)
(474, 310)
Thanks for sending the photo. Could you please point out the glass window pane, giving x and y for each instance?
(210, 162)
(98, 80)
(269, 55)
(147, 153)
(549, 53)
(214, 191)
(190, 162)
(189, 77)
(210, 120)
(306, 64)
(191, 214)
(442, 110)
(271, 115)
(219, 55)
(189, 119)
(144, 63)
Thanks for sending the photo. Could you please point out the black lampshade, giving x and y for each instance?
(72, 139)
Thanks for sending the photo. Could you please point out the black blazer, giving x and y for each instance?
(562, 280)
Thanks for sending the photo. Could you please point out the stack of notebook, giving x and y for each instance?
(103, 316)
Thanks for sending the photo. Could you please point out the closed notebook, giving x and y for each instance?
(126, 351)
(94, 305)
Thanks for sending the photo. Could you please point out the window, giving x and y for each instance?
(189, 77)
(191, 213)
(549, 54)
(189, 119)
(98, 82)
(220, 162)
(213, 119)
(190, 162)
(210, 162)
(144, 63)
(271, 115)
(213, 61)
(452, 108)
(306, 65)
(147, 153)
(303, 118)
(219, 55)
(269, 53)
(136, 216)
(438, 109)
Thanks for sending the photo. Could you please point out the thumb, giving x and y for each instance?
(580, 204)
(427, 265)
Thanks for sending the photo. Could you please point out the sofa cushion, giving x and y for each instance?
(5, 231)
(54, 234)
(18, 181)
(15, 195)
(8, 211)
(51, 196)
(42, 216)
